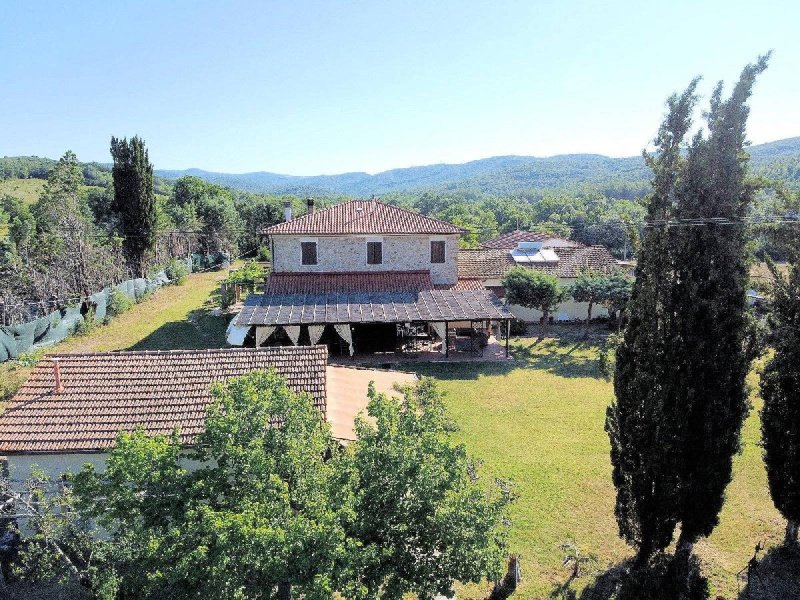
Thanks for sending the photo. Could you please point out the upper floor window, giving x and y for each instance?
(309, 252)
(437, 251)
(374, 253)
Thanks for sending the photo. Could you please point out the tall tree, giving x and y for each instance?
(680, 377)
(134, 201)
(710, 309)
(534, 289)
(640, 423)
(780, 390)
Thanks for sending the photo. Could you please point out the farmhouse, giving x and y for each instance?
(365, 276)
(72, 407)
(566, 259)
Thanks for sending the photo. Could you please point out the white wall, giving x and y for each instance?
(349, 253)
(569, 310)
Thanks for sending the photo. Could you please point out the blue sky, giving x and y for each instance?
(306, 87)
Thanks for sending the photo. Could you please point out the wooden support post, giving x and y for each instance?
(508, 334)
(446, 340)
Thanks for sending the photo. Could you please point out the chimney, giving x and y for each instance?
(287, 210)
(310, 204)
(57, 375)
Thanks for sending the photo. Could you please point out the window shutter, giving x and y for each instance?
(309, 253)
(374, 253)
(437, 251)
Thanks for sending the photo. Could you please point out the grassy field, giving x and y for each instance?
(537, 420)
(27, 190)
(540, 422)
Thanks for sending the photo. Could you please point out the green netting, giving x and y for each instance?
(139, 288)
(100, 300)
(126, 287)
(23, 336)
(8, 345)
(42, 327)
(55, 333)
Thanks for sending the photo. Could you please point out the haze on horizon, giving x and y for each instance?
(324, 88)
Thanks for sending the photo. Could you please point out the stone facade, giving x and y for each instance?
(349, 253)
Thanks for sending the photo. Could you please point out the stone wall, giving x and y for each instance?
(349, 253)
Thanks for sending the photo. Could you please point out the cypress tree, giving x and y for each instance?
(780, 390)
(680, 387)
(710, 310)
(134, 201)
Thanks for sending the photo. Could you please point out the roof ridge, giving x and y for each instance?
(265, 349)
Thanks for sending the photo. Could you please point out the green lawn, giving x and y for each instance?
(539, 421)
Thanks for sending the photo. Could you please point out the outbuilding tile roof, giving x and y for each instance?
(512, 238)
(375, 307)
(105, 393)
(357, 282)
(493, 263)
(363, 217)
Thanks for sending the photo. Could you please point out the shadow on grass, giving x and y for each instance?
(201, 330)
(606, 585)
(776, 575)
(565, 359)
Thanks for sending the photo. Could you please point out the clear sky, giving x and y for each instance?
(328, 86)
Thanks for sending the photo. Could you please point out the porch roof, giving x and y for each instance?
(373, 307)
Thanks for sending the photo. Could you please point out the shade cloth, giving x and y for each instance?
(262, 333)
(343, 329)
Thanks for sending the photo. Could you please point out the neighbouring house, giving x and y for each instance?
(368, 277)
(72, 406)
(566, 259)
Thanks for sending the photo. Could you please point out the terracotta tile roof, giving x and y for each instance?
(512, 238)
(363, 217)
(493, 263)
(356, 282)
(463, 283)
(105, 393)
(375, 307)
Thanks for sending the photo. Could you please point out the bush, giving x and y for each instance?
(88, 324)
(264, 255)
(118, 303)
(177, 271)
(251, 271)
(607, 361)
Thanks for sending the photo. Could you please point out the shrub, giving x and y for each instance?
(177, 271)
(264, 255)
(88, 324)
(250, 271)
(118, 303)
(607, 361)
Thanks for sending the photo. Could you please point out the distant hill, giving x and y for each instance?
(495, 175)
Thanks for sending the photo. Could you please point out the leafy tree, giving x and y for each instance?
(276, 506)
(134, 200)
(617, 295)
(589, 287)
(265, 511)
(534, 289)
(422, 517)
(780, 390)
(680, 372)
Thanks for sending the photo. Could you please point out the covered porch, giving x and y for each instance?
(380, 327)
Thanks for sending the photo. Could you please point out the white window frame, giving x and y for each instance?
(314, 241)
(367, 240)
